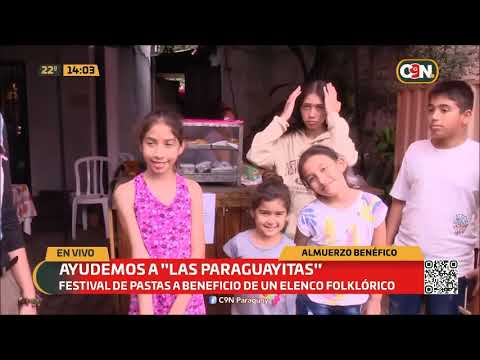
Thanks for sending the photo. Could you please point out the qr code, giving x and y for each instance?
(440, 277)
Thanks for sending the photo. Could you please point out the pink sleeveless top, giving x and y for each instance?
(166, 231)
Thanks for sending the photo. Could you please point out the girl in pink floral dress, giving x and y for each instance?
(162, 212)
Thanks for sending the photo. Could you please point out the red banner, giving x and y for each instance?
(228, 276)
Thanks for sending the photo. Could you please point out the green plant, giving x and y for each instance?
(380, 173)
(452, 59)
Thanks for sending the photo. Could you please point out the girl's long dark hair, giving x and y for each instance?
(172, 119)
(309, 87)
(270, 189)
(312, 151)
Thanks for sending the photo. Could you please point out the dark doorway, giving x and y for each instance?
(13, 105)
(202, 91)
(199, 96)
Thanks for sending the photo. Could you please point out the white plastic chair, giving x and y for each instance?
(95, 190)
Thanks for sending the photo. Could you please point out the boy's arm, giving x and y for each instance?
(474, 275)
(393, 220)
(399, 194)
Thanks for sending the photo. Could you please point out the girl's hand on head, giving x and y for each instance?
(332, 105)
(474, 275)
(290, 104)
